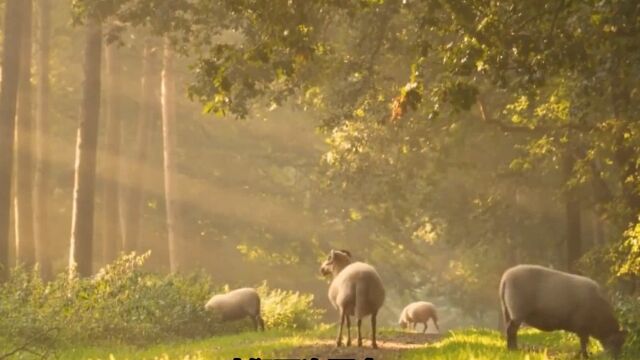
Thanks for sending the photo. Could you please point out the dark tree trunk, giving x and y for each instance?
(572, 213)
(41, 180)
(25, 244)
(8, 97)
(111, 234)
(80, 252)
(137, 176)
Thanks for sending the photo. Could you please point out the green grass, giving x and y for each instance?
(468, 344)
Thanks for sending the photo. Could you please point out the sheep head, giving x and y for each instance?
(336, 261)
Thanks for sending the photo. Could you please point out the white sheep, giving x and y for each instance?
(356, 290)
(418, 312)
(237, 304)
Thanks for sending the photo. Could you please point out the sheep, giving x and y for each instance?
(418, 312)
(549, 300)
(237, 304)
(356, 290)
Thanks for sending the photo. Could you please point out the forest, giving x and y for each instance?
(470, 166)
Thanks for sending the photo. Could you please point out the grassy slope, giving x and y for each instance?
(463, 344)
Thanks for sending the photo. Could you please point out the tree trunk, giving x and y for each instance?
(41, 180)
(80, 252)
(572, 212)
(111, 234)
(25, 244)
(136, 180)
(8, 96)
(169, 146)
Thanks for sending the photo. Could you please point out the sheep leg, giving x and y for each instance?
(348, 330)
(255, 323)
(512, 334)
(359, 333)
(424, 331)
(584, 342)
(435, 322)
(339, 339)
(373, 331)
(260, 322)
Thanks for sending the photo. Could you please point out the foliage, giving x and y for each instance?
(123, 304)
(628, 308)
(286, 309)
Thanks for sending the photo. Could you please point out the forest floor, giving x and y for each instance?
(476, 344)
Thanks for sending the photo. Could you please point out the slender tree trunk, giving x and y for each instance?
(80, 252)
(111, 235)
(572, 213)
(41, 180)
(25, 244)
(136, 181)
(169, 145)
(8, 96)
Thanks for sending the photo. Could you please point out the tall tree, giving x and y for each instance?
(8, 95)
(81, 248)
(25, 245)
(41, 180)
(169, 145)
(133, 210)
(111, 232)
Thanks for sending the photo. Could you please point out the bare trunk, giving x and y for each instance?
(169, 145)
(572, 212)
(80, 252)
(41, 180)
(8, 96)
(25, 244)
(137, 177)
(111, 234)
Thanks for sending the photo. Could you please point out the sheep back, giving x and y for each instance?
(358, 289)
(235, 304)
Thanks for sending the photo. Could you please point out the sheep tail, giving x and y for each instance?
(506, 317)
(361, 300)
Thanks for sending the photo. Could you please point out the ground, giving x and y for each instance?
(476, 344)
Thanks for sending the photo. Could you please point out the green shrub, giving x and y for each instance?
(283, 309)
(628, 308)
(122, 304)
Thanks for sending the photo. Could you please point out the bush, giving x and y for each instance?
(125, 305)
(628, 308)
(288, 309)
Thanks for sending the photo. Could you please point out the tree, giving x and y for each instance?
(169, 145)
(41, 190)
(25, 244)
(81, 248)
(112, 237)
(8, 95)
(136, 184)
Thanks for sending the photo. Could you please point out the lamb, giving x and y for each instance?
(418, 312)
(237, 304)
(550, 300)
(356, 290)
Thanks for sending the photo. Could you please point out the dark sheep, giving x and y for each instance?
(549, 300)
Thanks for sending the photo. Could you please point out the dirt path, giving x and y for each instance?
(389, 347)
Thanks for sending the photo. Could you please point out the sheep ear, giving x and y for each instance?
(346, 252)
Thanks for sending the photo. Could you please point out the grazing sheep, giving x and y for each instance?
(237, 304)
(356, 289)
(553, 300)
(418, 312)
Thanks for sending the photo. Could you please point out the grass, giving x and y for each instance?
(468, 344)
